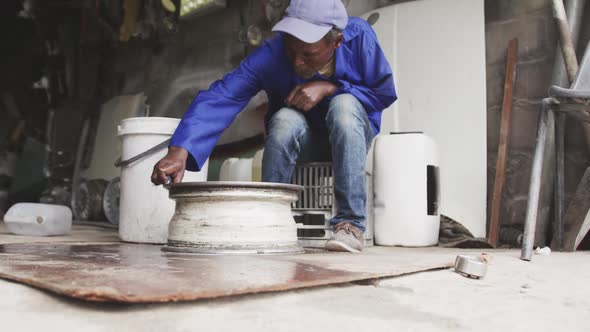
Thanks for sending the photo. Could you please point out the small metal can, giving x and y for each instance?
(470, 267)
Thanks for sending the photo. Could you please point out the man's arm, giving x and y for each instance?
(306, 96)
(172, 165)
(377, 91)
(211, 112)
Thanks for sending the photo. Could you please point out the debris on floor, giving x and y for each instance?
(543, 251)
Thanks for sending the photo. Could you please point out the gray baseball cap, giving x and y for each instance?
(310, 20)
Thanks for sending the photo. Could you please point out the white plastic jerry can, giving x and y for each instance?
(36, 219)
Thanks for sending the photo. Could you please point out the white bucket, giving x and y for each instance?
(145, 209)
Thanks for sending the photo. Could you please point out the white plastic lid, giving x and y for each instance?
(148, 125)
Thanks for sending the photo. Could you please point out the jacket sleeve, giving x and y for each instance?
(376, 90)
(213, 110)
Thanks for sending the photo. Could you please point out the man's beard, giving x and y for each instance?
(304, 73)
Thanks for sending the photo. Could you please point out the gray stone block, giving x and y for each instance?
(523, 129)
(160, 66)
(515, 196)
(533, 78)
(532, 32)
(515, 192)
(514, 213)
(498, 10)
(518, 173)
(574, 134)
(495, 76)
(576, 161)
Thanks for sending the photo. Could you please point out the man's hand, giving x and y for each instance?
(306, 96)
(172, 165)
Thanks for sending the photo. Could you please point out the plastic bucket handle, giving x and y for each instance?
(121, 163)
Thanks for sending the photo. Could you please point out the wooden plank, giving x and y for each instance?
(506, 120)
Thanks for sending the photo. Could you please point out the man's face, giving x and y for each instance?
(306, 58)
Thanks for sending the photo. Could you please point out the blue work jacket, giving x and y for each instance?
(361, 69)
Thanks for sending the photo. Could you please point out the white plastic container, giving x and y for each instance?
(257, 166)
(36, 219)
(145, 210)
(406, 186)
(225, 170)
(236, 169)
(242, 170)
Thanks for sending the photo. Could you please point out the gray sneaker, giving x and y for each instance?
(346, 238)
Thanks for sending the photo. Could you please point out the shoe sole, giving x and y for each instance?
(340, 246)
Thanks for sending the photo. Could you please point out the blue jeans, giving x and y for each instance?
(290, 139)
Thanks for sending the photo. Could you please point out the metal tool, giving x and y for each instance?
(471, 267)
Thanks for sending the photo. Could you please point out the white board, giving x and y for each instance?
(107, 145)
(437, 52)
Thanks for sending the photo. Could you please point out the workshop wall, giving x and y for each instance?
(530, 21)
(173, 70)
(171, 67)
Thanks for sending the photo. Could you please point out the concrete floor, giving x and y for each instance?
(552, 293)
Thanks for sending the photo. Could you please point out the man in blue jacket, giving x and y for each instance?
(327, 81)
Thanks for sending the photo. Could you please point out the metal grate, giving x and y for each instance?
(317, 180)
(315, 206)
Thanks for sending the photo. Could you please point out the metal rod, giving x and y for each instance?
(559, 180)
(575, 9)
(308, 186)
(565, 38)
(322, 186)
(543, 126)
(121, 163)
(314, 173)
(535, 185)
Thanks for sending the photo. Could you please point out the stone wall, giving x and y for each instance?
(532, 23)
(201, 51)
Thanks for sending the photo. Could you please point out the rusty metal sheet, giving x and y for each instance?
(136, 273)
